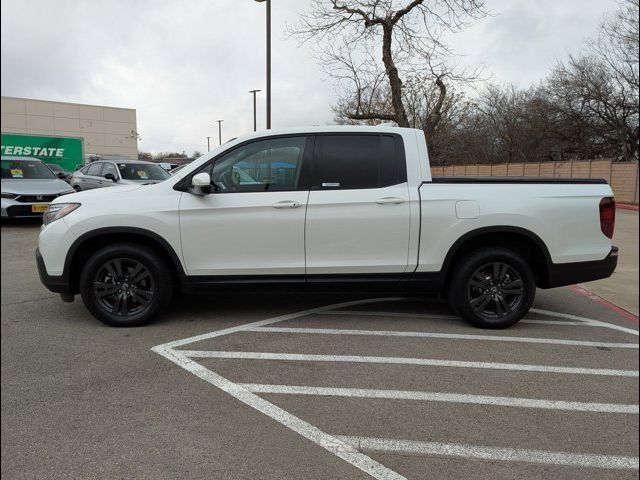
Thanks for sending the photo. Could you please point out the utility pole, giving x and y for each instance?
(208, 145)
(254, 108)
(268, 2)
(219, 131)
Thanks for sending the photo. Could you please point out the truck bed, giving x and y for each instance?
(517, 180)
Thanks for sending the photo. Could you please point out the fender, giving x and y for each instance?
(496, 229)
(141, 232)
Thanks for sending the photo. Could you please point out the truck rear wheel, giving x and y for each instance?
(125, 285)
(492, 288)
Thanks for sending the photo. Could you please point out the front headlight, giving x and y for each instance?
(9, 195)
(58, 210)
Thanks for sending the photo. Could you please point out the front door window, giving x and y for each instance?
(263, 166)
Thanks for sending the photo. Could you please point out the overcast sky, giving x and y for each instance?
(184, 64)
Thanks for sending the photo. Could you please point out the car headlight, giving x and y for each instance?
(9, 195)
(58, 210)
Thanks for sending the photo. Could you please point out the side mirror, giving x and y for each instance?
(61, 175)
(111, 176)
(201, 184)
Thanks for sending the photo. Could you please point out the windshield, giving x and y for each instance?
(55, 167)
(26, 169)
(142, 172)
(173, 171)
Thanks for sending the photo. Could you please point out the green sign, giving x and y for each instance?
(66, 152)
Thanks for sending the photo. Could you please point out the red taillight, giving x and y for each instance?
(607, 216)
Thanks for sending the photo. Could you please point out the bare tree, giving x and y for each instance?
(391, 62)
(438, 112)
(408, 36)
(599, 89)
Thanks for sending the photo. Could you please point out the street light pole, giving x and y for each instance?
(219, 131)
(254, 108)
(268, 2)
(208, 145)
(268, 64)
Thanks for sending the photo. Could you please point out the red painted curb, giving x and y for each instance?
(605, 303)
(624, 206)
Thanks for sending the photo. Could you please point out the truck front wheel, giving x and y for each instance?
(492, 287)
(125, 285)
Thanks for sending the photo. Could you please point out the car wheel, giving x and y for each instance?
(126, 285)
(492, 288)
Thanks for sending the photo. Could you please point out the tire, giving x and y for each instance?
(126, 284)
(492, 288)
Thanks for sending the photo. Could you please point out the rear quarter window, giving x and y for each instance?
(94, 169)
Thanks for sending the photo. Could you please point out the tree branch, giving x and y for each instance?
(368, 21)
(403, 11)
(371, 116)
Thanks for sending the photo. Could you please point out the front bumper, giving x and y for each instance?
(57, 284)
(560, 274)
(14, 209)
(21, 206)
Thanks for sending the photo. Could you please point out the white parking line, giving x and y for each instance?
(442, 397)
(591, 321)
(305, 429)
(577, 321)
(312, 433)
(412, 447)
(450, 336)
(429, 362)
(350, 448)
(367, 313)
(269, 321)
(432, 316)
(557, 322)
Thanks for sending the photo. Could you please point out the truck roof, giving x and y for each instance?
(386, 128)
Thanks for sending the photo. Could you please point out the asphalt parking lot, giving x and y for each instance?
(312, 387)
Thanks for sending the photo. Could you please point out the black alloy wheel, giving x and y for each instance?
(495, 290)
(492, 287)
(124, 286)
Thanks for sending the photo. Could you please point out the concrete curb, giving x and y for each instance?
(626, 206)
(605, 303)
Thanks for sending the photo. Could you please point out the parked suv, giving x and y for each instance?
(328, 206)
(107, 173)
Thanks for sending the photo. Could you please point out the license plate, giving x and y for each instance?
(39, 207)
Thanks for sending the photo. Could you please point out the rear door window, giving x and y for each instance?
(358, 162)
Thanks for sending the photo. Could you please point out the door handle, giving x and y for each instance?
(389, 200)
(287, 204)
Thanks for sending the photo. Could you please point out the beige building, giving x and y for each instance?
(105, 131)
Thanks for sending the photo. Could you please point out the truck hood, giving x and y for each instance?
(99, 194)
(28, 186)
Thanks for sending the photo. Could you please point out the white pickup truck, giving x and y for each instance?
(350, 207)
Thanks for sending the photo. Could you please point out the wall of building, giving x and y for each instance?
(622, 176)
(104, 130)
